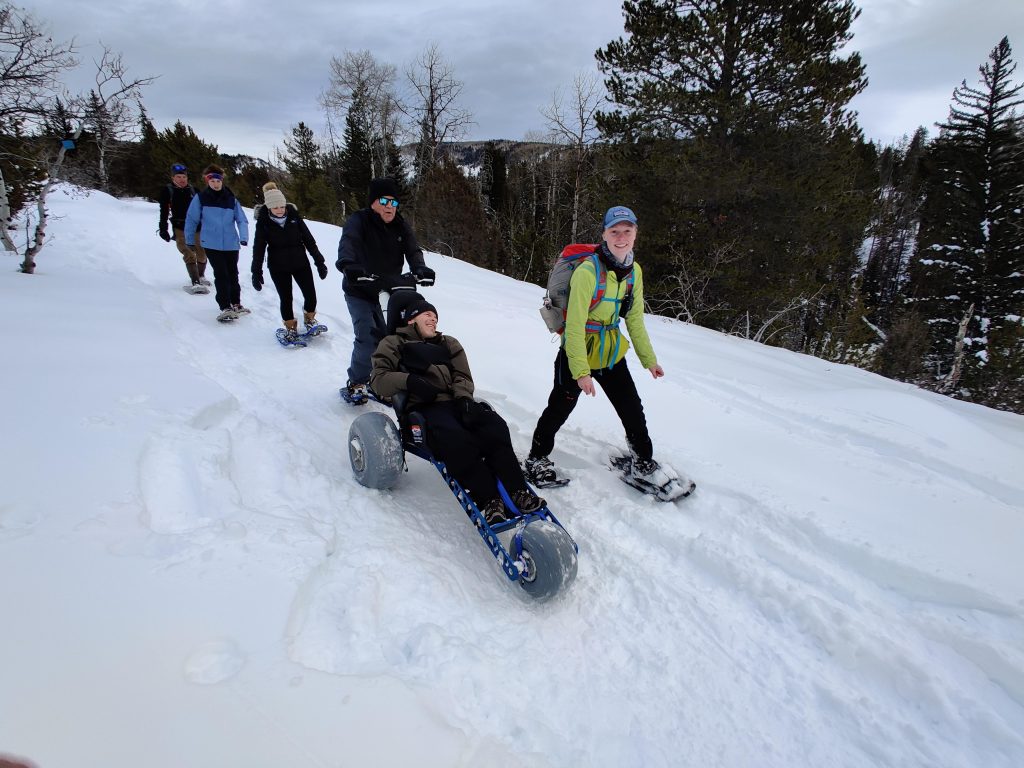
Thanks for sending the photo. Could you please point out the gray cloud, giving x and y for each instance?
(243, 73)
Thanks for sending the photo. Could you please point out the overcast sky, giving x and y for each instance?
(242, 73)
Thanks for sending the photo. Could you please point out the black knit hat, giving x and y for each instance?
(383, 187)
(418, 308)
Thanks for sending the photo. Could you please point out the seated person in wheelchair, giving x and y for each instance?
(468, 436)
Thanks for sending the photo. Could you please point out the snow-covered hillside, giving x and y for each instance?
(190, 576)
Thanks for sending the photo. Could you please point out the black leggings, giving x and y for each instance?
(620, 388)
(283, 282)
(474, 457)
(225, 277)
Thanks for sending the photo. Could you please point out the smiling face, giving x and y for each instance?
(620, 239)
(426, 324)
(278, 210)
(180, 180)
(215, 182)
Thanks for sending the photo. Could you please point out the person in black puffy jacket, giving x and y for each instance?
(284, 237)
(375, 244)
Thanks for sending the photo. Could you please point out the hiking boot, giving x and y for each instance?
(226, 314)
(240, 310)
(204, 281)
(540, 470)
(647, 470)
(527, 502)
(310, 319)
(291, 334)
(356, 392)
(495, 511)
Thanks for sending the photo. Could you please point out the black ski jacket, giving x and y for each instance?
(174, 201)
(286, 245)
(378, 248)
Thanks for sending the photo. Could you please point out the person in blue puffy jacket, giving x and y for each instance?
(224, 229)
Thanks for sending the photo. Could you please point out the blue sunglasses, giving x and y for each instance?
(386, 201)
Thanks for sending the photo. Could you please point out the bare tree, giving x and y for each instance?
(28, 266)
(358, 72)
(110, 110)
(571, 120)
(688, 293)
(434, 107)
(30, 66)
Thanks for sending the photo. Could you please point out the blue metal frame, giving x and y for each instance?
(511, 561)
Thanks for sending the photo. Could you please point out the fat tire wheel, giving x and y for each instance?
(375, 451)
(550, 557)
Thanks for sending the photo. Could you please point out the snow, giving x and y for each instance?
(189, 574)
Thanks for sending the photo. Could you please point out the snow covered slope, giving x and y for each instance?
(190, 576)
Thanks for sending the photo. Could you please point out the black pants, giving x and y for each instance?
(474, 457)
(283, 282)
(617, 384)
(225, 277)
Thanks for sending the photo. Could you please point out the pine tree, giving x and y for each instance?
(731, 135)
(721, 67)
(180, 144)
(356, 156)
(308, 188)
(893, 229)
(970, 260)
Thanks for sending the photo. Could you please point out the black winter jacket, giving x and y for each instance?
(379, 248)
(286, 245)
(175, 201)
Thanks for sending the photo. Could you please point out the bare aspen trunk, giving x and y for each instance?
(949, 385)
(28, 266)
(5, 217)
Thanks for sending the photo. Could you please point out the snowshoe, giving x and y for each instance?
(541, 472)
(289, 338)
(660, 481)
(227, 315)
(313, 330)
(195, 288)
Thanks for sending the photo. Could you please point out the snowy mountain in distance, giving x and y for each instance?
(189, 575)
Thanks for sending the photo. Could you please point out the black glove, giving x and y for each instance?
(164, 234)
(321, 269)
(424, 275)
(358, 275)
(244, 242)
(422, 389)
(257, 280)
(468, 411)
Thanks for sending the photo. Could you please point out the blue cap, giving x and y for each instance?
(618, 214)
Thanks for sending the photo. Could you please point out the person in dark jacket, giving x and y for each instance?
(468, 436)
(375, 244)
(284, 237)
(224, 229)
(174, 200)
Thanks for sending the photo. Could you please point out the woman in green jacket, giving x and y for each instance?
(594, 349)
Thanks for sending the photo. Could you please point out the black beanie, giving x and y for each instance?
(418, 308)
(383, 187)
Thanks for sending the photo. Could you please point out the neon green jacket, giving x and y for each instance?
(590, 350)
